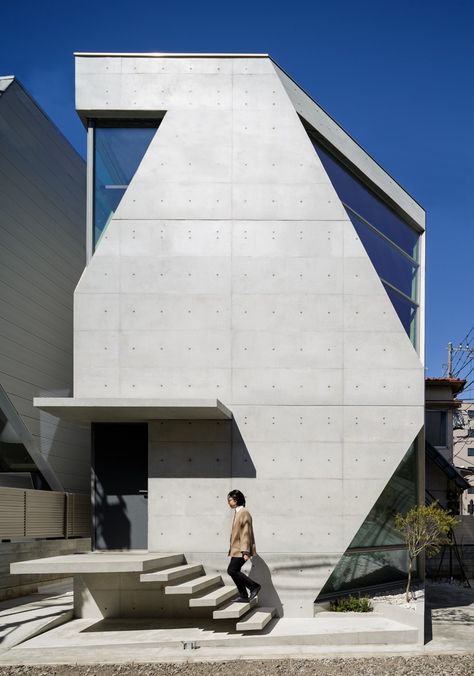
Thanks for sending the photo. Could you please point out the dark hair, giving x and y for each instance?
(238, 496)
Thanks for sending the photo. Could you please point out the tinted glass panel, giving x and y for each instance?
(389, 262)
(470, 451)
(117, 153)
(406, 311)
(398, 497)
(435, 427)
(358, 197)
(366, 569)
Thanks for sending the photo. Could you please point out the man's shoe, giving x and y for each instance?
(254, 592)
(242, 599)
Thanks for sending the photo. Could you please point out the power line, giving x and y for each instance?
(458, 357)
(466, 363)
(468, 350)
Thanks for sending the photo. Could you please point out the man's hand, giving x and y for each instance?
(246, 557)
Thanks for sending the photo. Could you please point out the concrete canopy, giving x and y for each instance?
(123, 410)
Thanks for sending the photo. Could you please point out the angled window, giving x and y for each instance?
(391, 244)
(377, 553)
(119, 147)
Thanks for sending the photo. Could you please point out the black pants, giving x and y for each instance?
(242, 581)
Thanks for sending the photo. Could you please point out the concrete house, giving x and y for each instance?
(251, 316)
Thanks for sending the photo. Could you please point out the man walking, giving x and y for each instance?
(242, 547)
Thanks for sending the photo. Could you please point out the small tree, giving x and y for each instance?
(425, 528)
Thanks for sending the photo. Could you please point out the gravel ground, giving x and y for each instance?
(429, 665)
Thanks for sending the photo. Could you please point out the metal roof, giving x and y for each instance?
(5, 82)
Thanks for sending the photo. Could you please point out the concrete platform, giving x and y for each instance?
(105, 637)
(97, 562)
(145, 641)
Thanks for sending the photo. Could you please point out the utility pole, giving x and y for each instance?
(451, 349)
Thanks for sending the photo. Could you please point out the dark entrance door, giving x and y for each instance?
(120, 480)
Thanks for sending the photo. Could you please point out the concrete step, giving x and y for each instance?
(233, 611)
(214, 598)
(196, 585)
(169, 574)
(257, 620)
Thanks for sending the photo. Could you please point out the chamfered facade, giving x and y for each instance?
(252, 308)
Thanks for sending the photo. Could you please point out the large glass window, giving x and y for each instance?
(391, 264)
(377, 553)
(364, 202)
(359, 570)
(119, 147)
(398, 497)
(406, 311)
(391, 244)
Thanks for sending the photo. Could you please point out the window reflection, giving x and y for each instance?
(406, 310)
(391, 264)
(398, 497)
(391, 244)
(385, 559)
(367, 569)
(119, 147)
(363, 201)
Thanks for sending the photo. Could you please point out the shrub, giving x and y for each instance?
(354, 604)
(425, 529)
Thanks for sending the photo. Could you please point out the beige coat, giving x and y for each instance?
(242, 540)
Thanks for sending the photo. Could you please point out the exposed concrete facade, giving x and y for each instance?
(231, 271)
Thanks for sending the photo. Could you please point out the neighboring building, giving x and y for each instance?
(463, 453)
(444, 483)
(44, 462)
(251, 316)
(42, 255)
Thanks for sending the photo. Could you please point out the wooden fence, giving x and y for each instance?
(26, 513)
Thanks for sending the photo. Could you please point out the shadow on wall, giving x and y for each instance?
(193, 449)
(268, 595)
(112, 510)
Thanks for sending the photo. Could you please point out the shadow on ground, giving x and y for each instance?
(168, 625)
(447, 604)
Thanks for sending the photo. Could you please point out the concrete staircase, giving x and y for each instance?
(209, 591)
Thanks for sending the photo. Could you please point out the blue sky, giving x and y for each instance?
(397, 75)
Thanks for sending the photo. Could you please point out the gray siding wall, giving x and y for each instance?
(42, 254)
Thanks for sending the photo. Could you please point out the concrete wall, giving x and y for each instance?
(12, 586)
(42, 254)
(231, 270)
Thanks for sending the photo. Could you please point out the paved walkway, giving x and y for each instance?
(116, 641)
(26, 617)
(449, 625)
